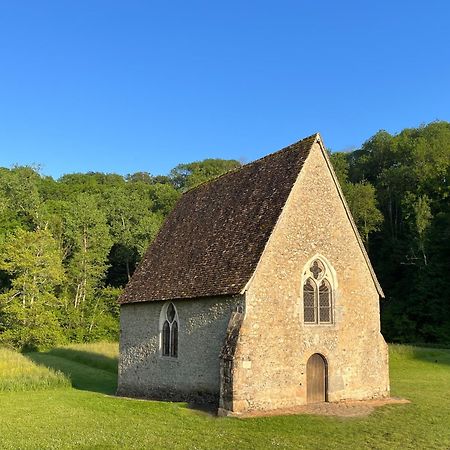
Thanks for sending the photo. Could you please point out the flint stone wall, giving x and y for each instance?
(195, 374)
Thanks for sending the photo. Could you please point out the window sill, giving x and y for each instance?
(169, 358)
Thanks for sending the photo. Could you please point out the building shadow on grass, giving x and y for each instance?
(89, 371)
(91, 359)
(432, 355)
(423, 352)
(86, 371)
(209, 409)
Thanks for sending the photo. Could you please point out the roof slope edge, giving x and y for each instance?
(213, 239)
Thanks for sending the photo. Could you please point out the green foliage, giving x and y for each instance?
(90, 243)
(360, 196)
(409, 175)
(187, 176)
(33, 261)
(20, 187)
(32, 328)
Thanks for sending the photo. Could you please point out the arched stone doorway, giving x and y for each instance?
(316, 379)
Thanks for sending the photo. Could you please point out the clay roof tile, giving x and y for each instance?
(213, 239)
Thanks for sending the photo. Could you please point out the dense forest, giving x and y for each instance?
(68, 246)
(398, 189)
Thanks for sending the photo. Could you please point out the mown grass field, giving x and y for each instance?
(87, 415)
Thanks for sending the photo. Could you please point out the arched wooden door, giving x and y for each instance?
(316, 379)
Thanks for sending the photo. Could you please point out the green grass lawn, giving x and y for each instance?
(82, 416)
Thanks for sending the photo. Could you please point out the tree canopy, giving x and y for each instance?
(406, 212)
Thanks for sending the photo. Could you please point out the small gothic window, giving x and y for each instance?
(317, 294)
(169, 331)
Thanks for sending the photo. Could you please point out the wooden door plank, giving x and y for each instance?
(316, 379)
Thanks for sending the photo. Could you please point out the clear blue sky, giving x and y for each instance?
(125, 86)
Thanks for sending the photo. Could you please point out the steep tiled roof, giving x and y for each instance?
(212, 241)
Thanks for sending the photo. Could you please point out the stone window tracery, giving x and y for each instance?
(317, 293)
(169, 331)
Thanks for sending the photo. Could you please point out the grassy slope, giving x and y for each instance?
(100, 355)
(86, 418)
(18, 373)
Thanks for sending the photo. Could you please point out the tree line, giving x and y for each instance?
(398, 189)
(68, 246)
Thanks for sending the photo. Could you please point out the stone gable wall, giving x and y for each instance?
(195, 374)
(270, 360)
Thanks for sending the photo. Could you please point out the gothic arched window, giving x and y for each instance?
(169, 331)
(317, 293)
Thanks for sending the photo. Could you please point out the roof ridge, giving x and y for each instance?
(313, 137)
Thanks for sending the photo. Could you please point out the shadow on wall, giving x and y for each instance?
(87, 371)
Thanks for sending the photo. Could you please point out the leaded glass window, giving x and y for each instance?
(325, 302)
(166, 339)
(317, 293)
(169, 331)
(309, 302)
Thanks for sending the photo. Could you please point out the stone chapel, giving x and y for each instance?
(257, 294)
